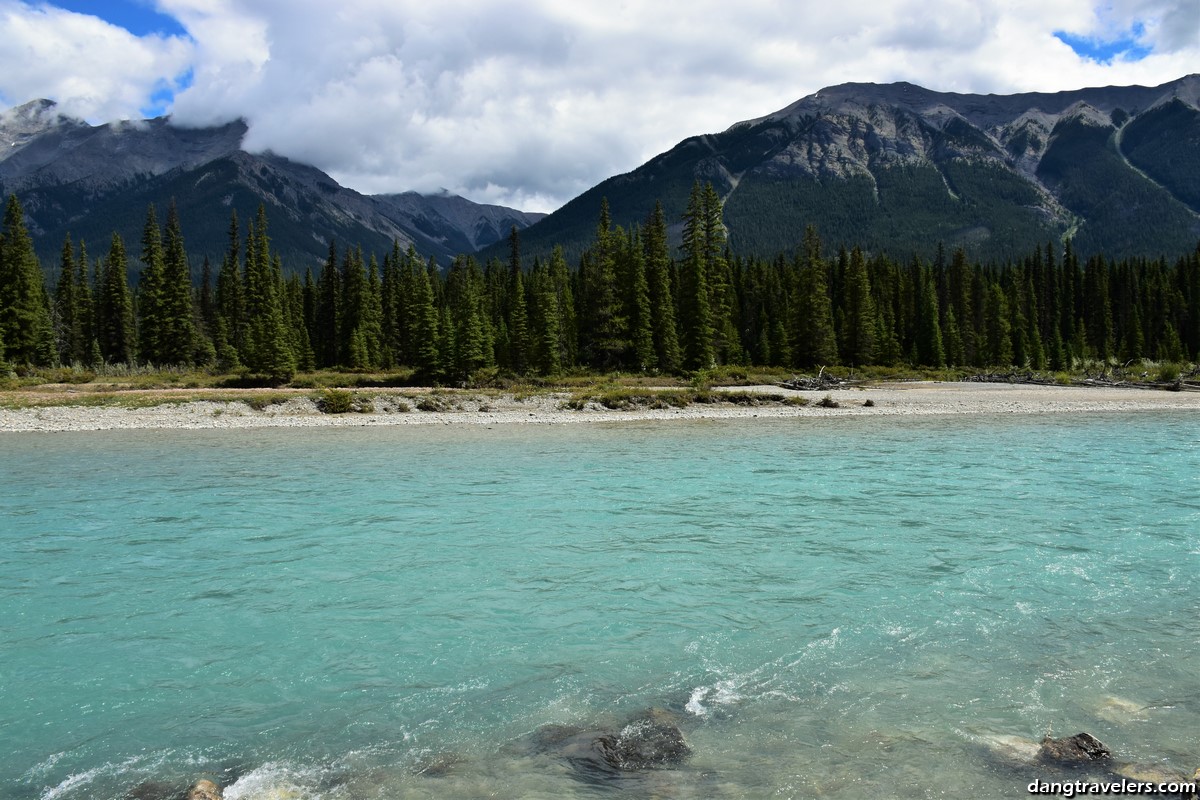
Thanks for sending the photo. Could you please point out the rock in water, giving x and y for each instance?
(643, 743)
(1082, 748)
(204, 789)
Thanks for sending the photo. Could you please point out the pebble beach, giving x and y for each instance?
(887, 399)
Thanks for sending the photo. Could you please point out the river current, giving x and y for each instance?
(836, 608)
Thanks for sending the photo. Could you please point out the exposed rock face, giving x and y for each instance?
(86, 180)
(1082, 748)
(900, 168)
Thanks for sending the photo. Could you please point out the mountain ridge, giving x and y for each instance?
(901, 168)
(86, 181)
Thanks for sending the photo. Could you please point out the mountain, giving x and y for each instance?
(87, 181)
(900, 168)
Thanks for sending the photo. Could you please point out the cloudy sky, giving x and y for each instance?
(529, 102)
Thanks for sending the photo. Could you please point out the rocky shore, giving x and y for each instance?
(464, 408)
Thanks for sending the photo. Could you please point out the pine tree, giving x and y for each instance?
(695, 315)
(231, 302)
(603, 325)
(114, 309)
(177, 337)
(151, 285)
(69, 334)
(997, 329)
(268, 349)
(518, 326)
(929, 346)
(423, 314)
(661, 297)
(858, 326)
(327, 342)
(814, 340)
(25, 325)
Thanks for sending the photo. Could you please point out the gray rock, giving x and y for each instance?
(1082, 748)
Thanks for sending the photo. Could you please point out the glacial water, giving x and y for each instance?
(842, 608)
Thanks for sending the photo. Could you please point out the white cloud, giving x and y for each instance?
(95, 70)
(529, 102)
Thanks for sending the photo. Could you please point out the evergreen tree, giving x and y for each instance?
(814, 342)
(268, 349)
(114, 308)
(858, 326)
(997, 329)
(25, 325)
(929, 347)
(603, 325)
(661, 297)
(327, 342)
(423, 314)
(177, 337)
(518, 325)
(150, 311)
(71, 337)
(695, 315)
(231, 302)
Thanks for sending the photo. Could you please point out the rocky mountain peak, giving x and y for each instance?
(21, 123)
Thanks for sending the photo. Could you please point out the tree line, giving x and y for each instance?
(630, 304)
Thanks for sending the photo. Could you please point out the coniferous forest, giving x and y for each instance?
(632, 303)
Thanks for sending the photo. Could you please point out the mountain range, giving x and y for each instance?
(899, 168)
(87, 181)
(891, 167)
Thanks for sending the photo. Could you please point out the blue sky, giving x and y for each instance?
(529, 102)
(1127, 47)
(139, 18)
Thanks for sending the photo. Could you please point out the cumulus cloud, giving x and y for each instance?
(95, 70)
(529, 102)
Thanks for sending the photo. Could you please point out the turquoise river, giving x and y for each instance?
(837, 608)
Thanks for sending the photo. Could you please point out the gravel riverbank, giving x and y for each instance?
(922, 398)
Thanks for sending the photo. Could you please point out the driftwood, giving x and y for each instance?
(819, 383)
(1009, 377)
(1105, 379)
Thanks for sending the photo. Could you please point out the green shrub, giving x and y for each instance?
(1168, 373)
(828, 402)
(335, 401)
(432, 402)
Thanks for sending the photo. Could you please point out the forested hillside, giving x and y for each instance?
(629, 303)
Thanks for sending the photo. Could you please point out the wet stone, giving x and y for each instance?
(1082, 748)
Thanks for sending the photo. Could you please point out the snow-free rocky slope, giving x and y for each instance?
(87, 181)
(900, 168)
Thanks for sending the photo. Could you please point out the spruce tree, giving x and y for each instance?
(929, 347)
(268, 349)
(150, 310)
(858, 326)
(25, 325)
(114, 308)
(231, 302)
(69, 334)
(177, 337)
(662, 298)
(327, 342)
(815, 342)
(695, 314)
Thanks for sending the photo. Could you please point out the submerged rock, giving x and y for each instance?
(1082, 748)
(204, 789)
(153, 790)
(650, 740)
(1013, 750)
(438, 765)
(645, 743)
